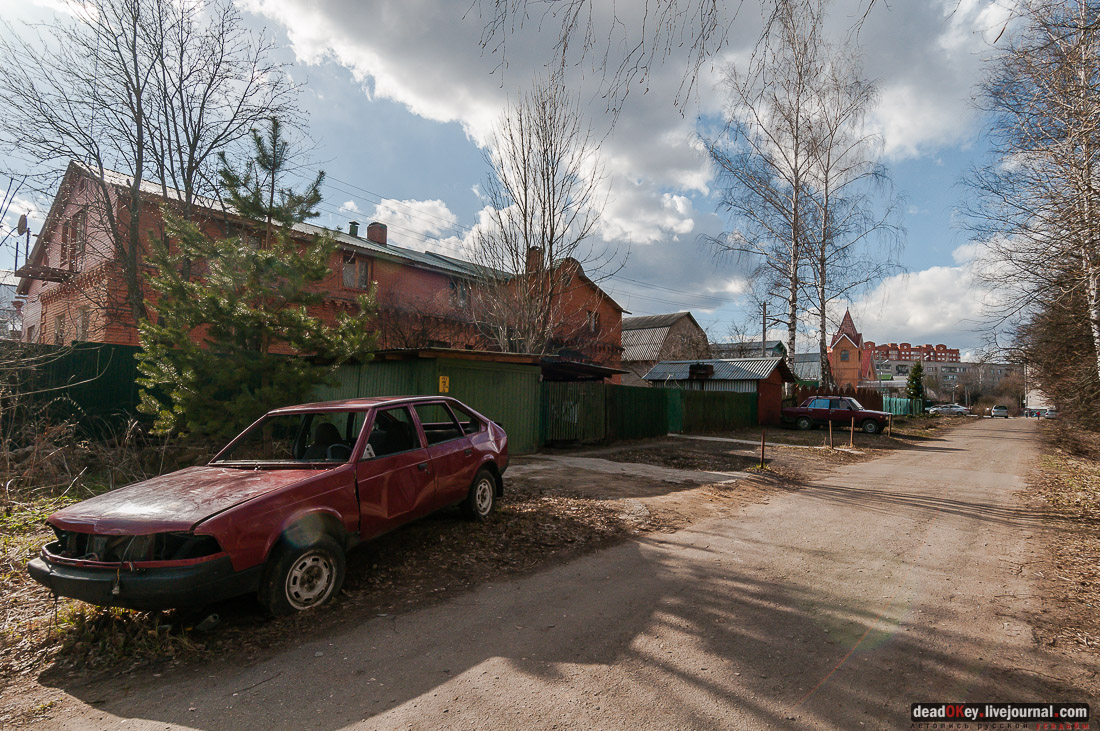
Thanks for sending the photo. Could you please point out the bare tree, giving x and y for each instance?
(1037, 205)
(215, 81)
(626, 47)
(852, 238)
(149, 89)
(765, 158)
(544, 199)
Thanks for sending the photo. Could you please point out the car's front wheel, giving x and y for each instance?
(297, 579)
(804, 423)
(481, 498)
(870, 426)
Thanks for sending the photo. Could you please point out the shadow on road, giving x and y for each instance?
(544, 643)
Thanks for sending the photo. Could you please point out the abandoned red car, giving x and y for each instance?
(840, 410)
(275, 511)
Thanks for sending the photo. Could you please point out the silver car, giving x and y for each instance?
(998, 411)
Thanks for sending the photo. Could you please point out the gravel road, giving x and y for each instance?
(891, 581)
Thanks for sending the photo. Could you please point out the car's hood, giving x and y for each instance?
(172, 502)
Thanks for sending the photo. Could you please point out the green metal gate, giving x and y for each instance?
(573, 412)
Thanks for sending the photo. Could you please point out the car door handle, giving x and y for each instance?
(423, 467)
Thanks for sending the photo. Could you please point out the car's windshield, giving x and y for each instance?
(322, 436)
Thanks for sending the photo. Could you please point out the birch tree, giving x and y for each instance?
(544, 199)
(1037, 204)
(148, 89)
(851, 234)
(765, 156)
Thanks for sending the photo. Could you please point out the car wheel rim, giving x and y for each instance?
(483, 496)
(309, 581)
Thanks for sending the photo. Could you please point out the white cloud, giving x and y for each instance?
(941, 304)
(349, 207)
(425, 55)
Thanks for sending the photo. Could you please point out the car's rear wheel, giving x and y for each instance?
(870, 426)
(302, 578)
(481, 498)
(804, 423)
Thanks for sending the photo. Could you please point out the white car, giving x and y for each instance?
(997, 411)
(950, 410)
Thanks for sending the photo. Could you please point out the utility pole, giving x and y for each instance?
(764, 330)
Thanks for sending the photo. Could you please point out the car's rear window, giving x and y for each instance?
(439, 425)
(324, 436)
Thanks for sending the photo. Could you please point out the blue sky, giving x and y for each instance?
(402, 99)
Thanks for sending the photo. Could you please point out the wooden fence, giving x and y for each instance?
(595, 412)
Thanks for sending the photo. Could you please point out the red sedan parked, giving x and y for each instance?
(276, 510)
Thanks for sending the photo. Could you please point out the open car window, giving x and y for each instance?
(393, 432)
(323, 436)
(438, 423)
(469, 423)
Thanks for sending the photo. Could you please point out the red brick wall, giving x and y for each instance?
(404, 291)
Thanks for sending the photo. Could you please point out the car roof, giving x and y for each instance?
(354, 404)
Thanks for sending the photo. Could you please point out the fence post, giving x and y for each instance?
(890, 426)
(830, 434)
(852, 433)
(763, 431)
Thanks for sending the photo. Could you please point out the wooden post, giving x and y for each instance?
(762, 432)
(890, 426)
(852, 433)
(830, 434)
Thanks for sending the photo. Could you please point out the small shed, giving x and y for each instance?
(763, 376)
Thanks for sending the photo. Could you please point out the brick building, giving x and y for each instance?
(649, 339)
(72, 284)
(849, 362)
(913, 353)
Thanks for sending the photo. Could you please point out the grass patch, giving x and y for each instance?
(1068, 482)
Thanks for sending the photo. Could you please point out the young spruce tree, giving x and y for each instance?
(914, 387)
(215, 356)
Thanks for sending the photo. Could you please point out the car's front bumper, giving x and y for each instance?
(188, 586)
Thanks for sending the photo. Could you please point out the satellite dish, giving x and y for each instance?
(21, 227)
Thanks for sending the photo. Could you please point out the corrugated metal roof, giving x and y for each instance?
(731, 369)
(643, 344)
(645, 322)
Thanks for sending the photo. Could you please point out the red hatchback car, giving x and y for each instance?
(275, 511)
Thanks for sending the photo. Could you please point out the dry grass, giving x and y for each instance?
(1068, 487)
(421, 563)
(906, 431)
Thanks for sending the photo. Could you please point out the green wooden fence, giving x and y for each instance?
(902, 406)
(636, 413)
(572, 412)
(705, 411)
(92, 384)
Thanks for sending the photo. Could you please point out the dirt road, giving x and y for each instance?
(890, 581)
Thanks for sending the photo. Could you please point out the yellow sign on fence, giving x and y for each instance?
(444, 384)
